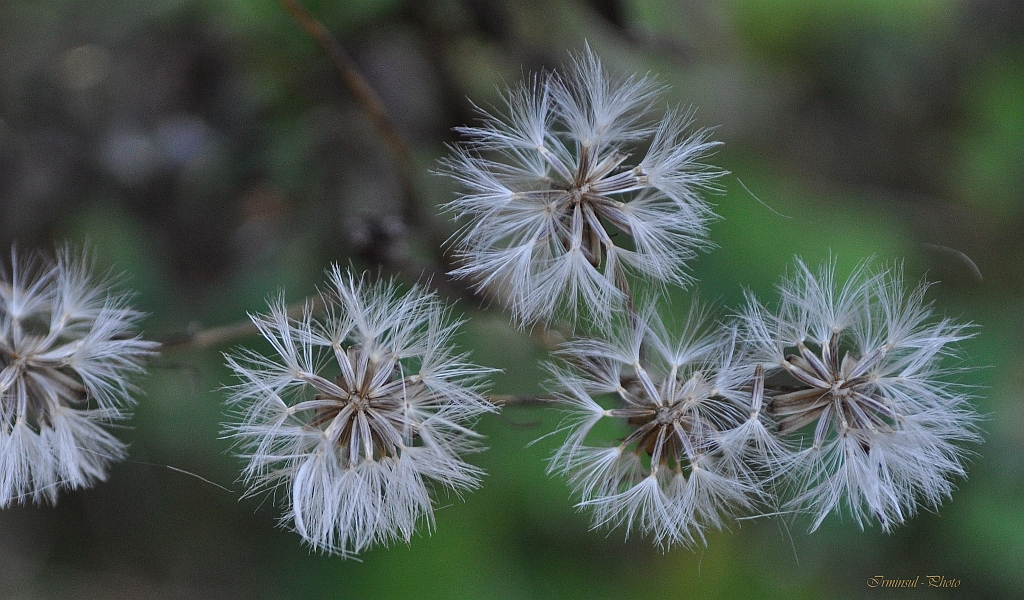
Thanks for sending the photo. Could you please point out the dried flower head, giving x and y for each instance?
(676, 471)
(357, 412)
(67, 347)
(862, 389)
(557, 212)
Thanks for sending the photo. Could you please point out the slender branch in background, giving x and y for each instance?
(375, 111)
(200, 339)
(415, 217)
(361, 91)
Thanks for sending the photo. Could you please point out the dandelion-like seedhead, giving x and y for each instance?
(680, 467)
(576, 187)
(67, 347)
(862, 389)
(357, 412)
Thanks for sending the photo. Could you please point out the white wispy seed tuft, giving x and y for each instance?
(355, 413)
(67, 347)
(863, 392)
(676, 471)
(576, 187)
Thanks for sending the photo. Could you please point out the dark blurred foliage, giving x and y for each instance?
(209, 150)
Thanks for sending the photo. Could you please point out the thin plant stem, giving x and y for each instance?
(509, 400)
(202, 339)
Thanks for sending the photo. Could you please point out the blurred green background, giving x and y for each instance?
(208, 150)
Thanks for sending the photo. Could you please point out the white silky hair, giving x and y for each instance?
(550, 194)
(696, 380)
(911, 418)
(68, 349)
(359, 455)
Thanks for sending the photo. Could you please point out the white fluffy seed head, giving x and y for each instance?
(877, 419)
(674, 471)
(357, 412)
(67, 349)
(576, 187)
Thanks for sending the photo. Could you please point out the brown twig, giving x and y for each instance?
(202, 339)
(507, 400)
(546, 339)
